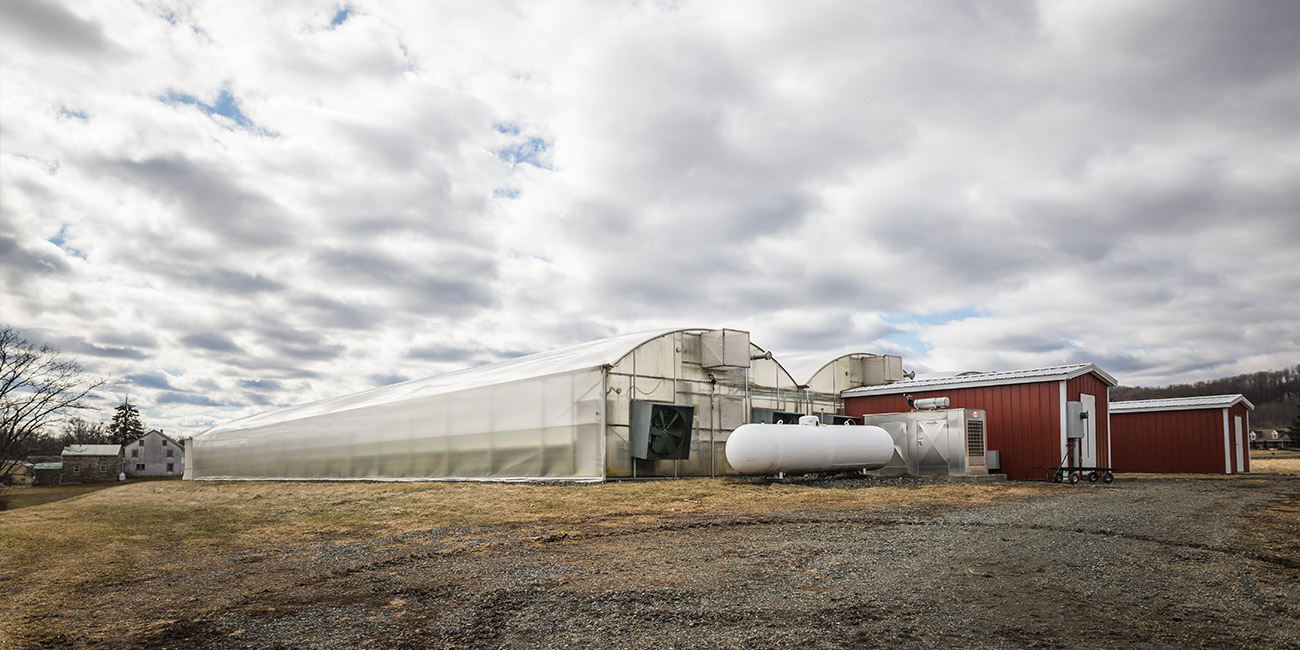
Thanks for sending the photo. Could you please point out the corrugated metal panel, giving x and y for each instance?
(1023, 419)
(1173, 441)
(1180, 403)
(1033, 375)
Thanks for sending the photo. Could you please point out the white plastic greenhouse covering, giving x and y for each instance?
(541, 416)
(535, 416)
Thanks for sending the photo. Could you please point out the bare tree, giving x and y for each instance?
(77, 431)
(36, 388)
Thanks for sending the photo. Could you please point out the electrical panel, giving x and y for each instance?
(1076, 420)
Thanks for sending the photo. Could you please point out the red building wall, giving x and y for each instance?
(1023, 420)
(1179, 442)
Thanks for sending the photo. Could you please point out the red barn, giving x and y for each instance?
(1182, 435)
(1026, 412)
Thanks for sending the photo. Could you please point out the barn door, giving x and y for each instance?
(1088, 445)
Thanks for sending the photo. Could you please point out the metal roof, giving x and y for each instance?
(47, 466)
(92, 450)
(1180, 404)
(1031, 376)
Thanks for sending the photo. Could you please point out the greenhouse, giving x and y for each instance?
(823, 378)
(651, 404)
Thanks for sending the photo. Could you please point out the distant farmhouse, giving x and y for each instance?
(154, 454)
(1269, 439)
(91, 463)
(13, 472)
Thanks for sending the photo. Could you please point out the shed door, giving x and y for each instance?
(1241, 461)
(1088, 446)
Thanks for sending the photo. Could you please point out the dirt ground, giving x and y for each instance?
(1153, 563)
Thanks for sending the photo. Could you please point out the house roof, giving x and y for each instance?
(1180, 404)
(92, 450)
(1030, 376)
(39, 466)
(160, 433)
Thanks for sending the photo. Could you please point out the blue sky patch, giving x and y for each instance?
(527, 152)
(341, 17)
(225, 106)
(76, 115)
(505, 193)
(60, 240)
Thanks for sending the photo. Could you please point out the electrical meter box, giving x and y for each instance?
(1076, 420)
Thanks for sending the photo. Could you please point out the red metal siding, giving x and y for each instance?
(1176, 442)
(1024, 420)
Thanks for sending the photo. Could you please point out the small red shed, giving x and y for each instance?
(1182, 435)
(1027, 412)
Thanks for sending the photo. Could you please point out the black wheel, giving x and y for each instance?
(1058, 477)
(1108, 478)
(1092, 477)
(1074, 478)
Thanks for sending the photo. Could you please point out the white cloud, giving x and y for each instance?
(232, 206)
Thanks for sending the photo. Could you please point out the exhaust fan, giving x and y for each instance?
(661, 431)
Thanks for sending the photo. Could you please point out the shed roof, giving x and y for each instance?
(583, 356)
(1180, 404)
(92, 450)
(1031, 376)
(42, 466)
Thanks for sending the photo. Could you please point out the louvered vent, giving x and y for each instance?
(975, 438)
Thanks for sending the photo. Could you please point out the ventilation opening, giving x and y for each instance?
(975, 438)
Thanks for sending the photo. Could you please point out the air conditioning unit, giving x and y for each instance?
(661, 431)
(946, 442)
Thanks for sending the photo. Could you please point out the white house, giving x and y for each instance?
(154, 454)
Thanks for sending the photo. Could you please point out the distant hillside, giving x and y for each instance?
(1275, 394)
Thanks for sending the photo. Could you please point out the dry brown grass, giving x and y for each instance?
(52, 555)
(1289, 465)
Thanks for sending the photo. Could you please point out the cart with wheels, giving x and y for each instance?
(1074, 474)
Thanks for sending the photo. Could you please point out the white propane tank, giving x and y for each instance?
(783, 449)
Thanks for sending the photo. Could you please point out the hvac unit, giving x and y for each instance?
(833, 419)
(724, 349)
(885, 369)
(947, 442)
(661, 431)
(773, 416)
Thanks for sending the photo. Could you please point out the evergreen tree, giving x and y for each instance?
(126, 425)
(1294, 431)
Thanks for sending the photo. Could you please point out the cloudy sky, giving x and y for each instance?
(231, 206)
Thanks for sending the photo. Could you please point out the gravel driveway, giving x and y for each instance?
(1150, 563)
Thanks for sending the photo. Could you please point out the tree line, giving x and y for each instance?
(1275, 394)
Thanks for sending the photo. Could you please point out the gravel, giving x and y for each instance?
(1147, 564)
